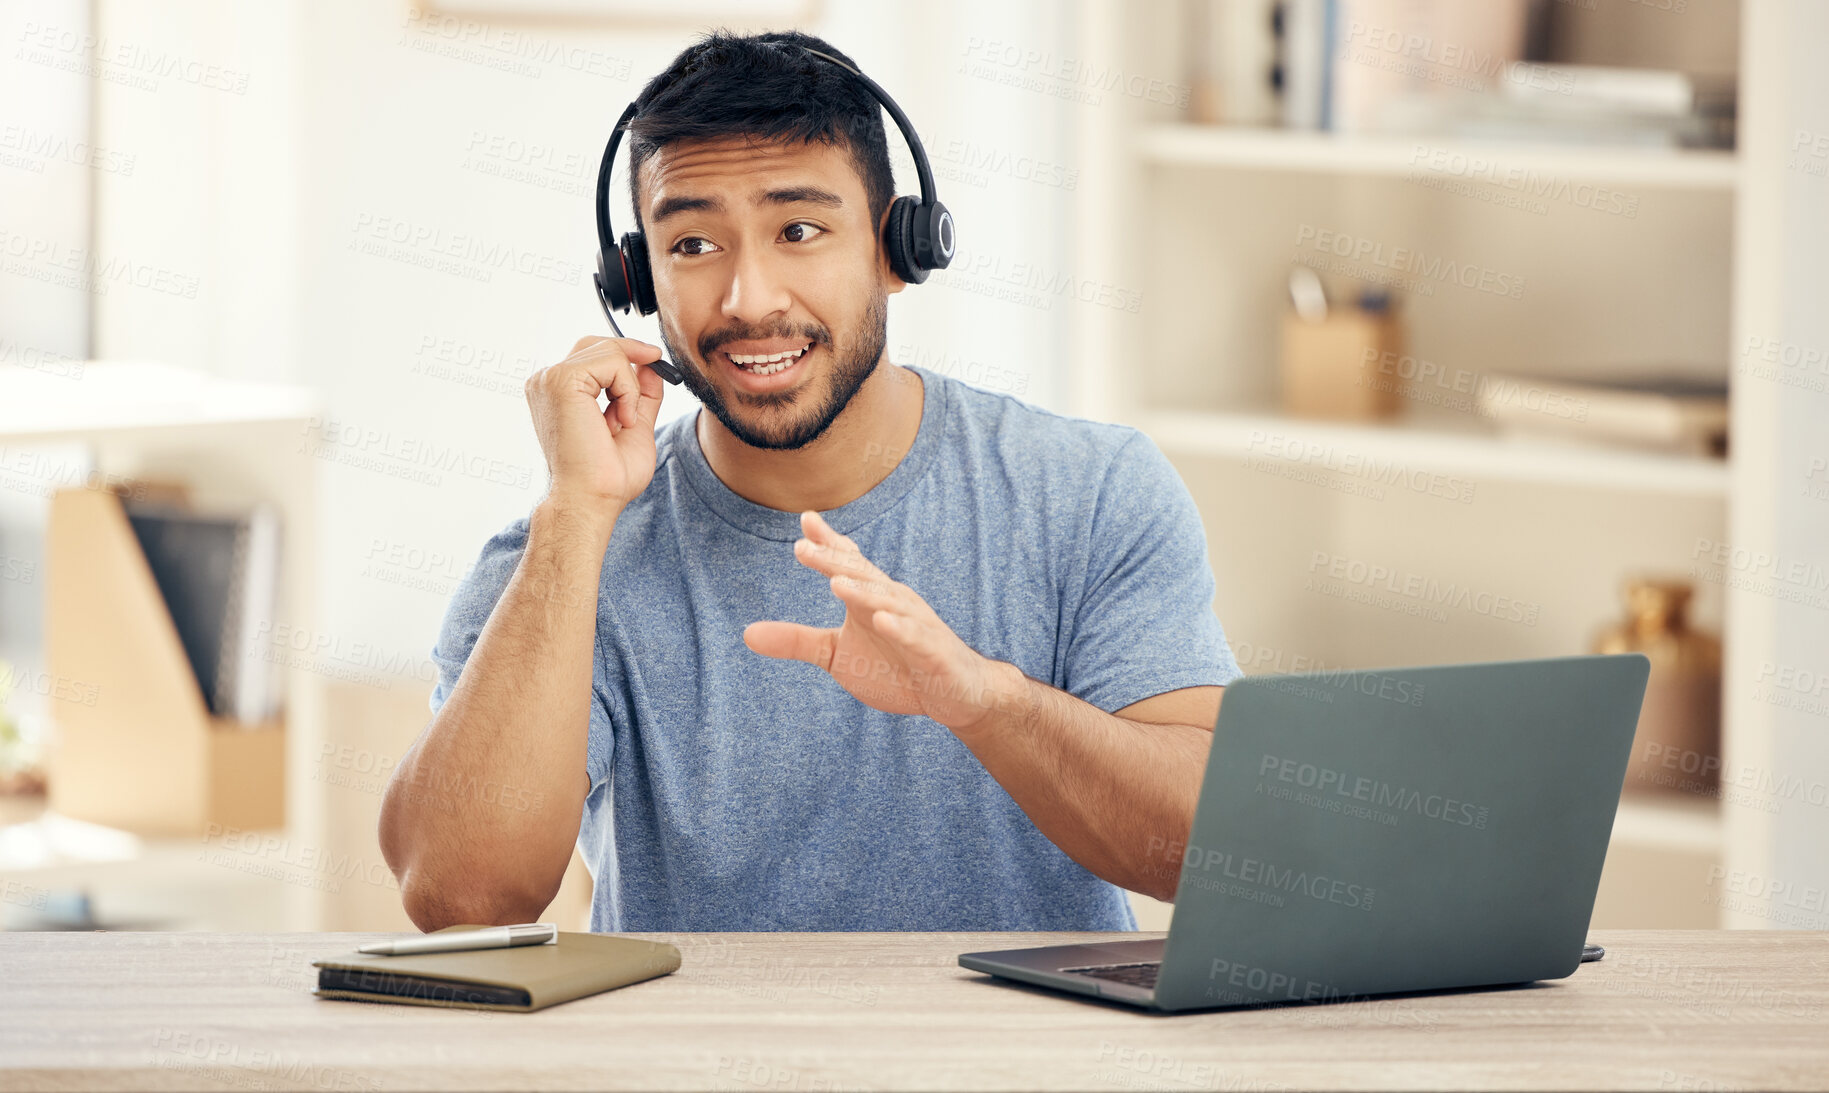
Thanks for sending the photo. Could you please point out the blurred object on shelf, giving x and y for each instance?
(1693, 36)
(1200, 58)
(42, 909)
(1330, 355)
(1305, 61)
(1652, 92)
(1585, 104)
(1492, 70)
(20, 774)
(34, 837)
(1672, 414)
(1570, 104)
(1307, 295)
(1678, 745)
(1233, 62)
(153, 491)
(218, 573)
(66, 909)
(1447, 52)
(135, 744)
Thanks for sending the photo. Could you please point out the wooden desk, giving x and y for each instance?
(1676, 1010)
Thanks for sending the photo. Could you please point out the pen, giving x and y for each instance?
(492, 937)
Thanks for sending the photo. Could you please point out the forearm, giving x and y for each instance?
(480, 818)
(1116, 795)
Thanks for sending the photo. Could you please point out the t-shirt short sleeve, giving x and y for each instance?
(1145, 622)
(468, 612)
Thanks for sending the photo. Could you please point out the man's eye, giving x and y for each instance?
(803, 236)
(684, 245)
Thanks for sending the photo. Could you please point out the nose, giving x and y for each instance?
(757, 287)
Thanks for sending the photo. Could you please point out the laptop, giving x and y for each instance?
(1362, 833)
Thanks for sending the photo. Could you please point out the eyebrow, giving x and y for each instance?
(792, 195)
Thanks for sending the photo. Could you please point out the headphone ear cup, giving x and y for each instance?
(612, 286)
(898, 240)
(641, 281)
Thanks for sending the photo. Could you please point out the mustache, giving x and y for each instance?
(711, 343)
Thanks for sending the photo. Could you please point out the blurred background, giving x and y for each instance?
(1478, 331)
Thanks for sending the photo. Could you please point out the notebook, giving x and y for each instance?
(517, 980)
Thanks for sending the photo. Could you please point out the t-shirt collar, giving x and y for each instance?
(768, 523)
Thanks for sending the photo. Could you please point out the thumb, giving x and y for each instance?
(647, 404)
(792, 641)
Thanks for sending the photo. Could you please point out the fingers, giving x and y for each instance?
(632, 349)
(792, 641)
(894, 611)
(814, 527)
(653, 388)
(869, 595)
(644, 407)
(593, 360)
(906, 632)
(611, 365)
(830, 553)
(622, 387)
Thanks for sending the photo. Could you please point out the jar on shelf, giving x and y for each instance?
(1678, 744)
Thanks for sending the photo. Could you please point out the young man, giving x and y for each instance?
(863, 648)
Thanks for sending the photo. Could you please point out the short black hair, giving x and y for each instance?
(768, 88)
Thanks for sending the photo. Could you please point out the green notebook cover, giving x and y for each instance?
(515, 980)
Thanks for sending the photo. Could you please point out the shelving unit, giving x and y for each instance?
(108, 623)
(231, 442)
(1201, 223)
(132, 396)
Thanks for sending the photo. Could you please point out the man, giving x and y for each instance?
(863, 648)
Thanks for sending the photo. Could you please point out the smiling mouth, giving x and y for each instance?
(766, 364)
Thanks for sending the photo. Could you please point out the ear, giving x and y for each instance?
(885, 272)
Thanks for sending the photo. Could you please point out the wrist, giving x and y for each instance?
(575, 516)
(1007, 699)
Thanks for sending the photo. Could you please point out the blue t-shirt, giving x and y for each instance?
(732, 791)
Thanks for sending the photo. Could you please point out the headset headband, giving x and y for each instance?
(606, 241)
(606, 236)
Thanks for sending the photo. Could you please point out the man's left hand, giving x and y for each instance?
(892, 652)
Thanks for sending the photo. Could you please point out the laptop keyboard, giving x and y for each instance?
(1136, 975)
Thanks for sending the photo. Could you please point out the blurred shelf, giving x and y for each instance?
(1669, 822)
(1326, 153)
(1440, 447)
(105, 396)
(52, 865)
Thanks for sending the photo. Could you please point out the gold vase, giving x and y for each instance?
(1678, 744)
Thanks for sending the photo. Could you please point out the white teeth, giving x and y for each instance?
(767, 364)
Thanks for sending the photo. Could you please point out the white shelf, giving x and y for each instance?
(1463, 452)
(111, 395)
(1325, 153)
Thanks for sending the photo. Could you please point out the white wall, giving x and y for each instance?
(48, 161)
(363, 116)
(1776, 677)
(46, 152)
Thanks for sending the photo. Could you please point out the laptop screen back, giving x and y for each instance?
(1411, 829)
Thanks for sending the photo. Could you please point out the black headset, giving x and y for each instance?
(918, 233)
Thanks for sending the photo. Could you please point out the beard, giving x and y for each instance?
(852, 364)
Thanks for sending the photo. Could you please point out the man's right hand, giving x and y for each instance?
(601, 459)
